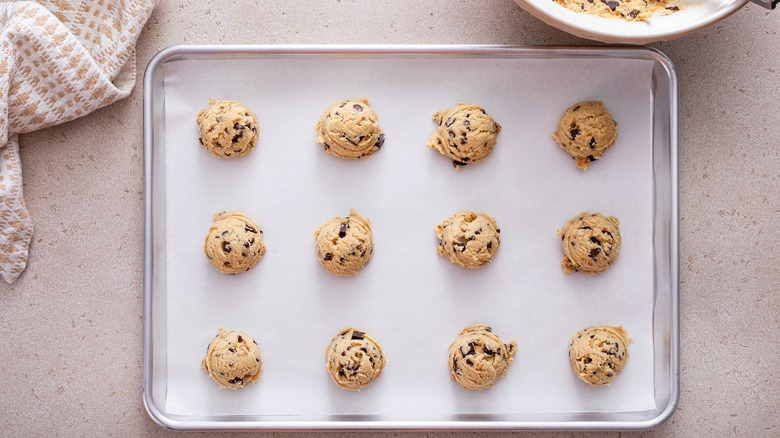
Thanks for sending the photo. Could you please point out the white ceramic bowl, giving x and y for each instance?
(698, 14)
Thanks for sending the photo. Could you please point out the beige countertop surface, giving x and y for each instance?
(72, 323)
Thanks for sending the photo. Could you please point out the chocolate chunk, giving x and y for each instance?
(633, 13)
(466, 159)
(574, 132)
(596, 241)
(594, 252)
(358, 335)
(357, 107)
(577, 108)
(469, 362)
(342, 105)
(226, 246)
(489, 351)
(240, 339)
(236, 380)
(592, 143)
(380, 141)
(451, 134)
(364, 350)
(343, 353)
(612, 4)
(464, 141)
(591, 158)
(456, 163)
(257, 359)
(490, 245)
(455, 365)
(343, 230)
(466, 123)
(341, 372)
(328, 257)
(673, 8)
(237, 126)
(342, 260)
(249, 228)
(498, 230)
(449, 122)
(201, 140)
(232, 349)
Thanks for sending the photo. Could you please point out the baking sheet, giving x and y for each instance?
(408, 298)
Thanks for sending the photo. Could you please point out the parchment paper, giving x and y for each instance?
(408, 298)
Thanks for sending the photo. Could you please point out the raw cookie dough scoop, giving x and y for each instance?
(468, 239)
(354, 360)
(599, 354)
(465, 134)
(586, 131)
(350, 129)
(478, 358)
(228, 129)
(234, 243)
(344, 244)
(233, 359)
(591, 243)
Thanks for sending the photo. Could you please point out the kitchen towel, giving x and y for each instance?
(59, 60)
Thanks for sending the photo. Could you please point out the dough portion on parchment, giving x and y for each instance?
(228, 129)
(478, 358)
(599, 354)
(233, 359)
(354, 360)
(234, 243)
(350, 129)
(464, 133)
(591, 243)
(344, 244)
(585, 131)
(468, 239)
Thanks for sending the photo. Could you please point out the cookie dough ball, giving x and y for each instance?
(350, 129)
(354, 360)
(344, 244)
(234, 243)
(468, 239)
(228, 129)
(591, 243)
(465, 134)
(233, 359)
(478, 358)
(598, 354)
(585, 131)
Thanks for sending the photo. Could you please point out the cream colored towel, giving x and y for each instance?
(59, 60)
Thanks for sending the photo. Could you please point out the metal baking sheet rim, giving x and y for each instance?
(230, 423)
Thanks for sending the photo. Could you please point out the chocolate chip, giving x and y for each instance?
(343, 230)
(612, 4)
(591, 158)
(489, 351)
(232, 349)
(341, 372)
(380, 141)
(254, 341)
(633, 13)
(466, 159)
(466, 123)
(455, 365)
(249, 228)
(594, 252)
(226, 246)
(574, 132)
(328, 257)
(673, 8)
(237, 137)
(363, 349)
(498, 230)
(343, 353)
(592, 143)
(342, 105)
(587, 360)
(595, 240)
(489, 245)
(236, 380)
(257, 359)
(357, 107)
(577, 108)
(240, 339)
(464, 141)
(456, 163)
(201, 140)
(342, 260)
(451, 134)
(358, 335)
(449, 122)
(469, 362)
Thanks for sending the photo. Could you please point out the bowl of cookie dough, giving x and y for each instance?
(630, 21)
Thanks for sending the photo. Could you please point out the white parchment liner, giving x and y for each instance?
(408, 298)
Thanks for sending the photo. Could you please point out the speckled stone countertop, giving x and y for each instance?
(72, 324)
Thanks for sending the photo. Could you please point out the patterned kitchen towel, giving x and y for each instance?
(59, 60)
